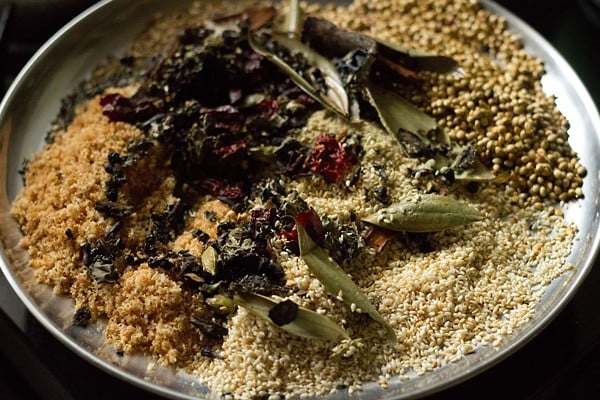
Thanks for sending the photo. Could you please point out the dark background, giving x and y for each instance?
(563, 361)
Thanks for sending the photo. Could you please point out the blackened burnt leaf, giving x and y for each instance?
(243, 250)
(284, 312)
(291, 156)
(132, 110)
(222, 189)
(208, 327)
(112, 209)
(343, 242)
(165, 226)
(100, 257)
(260, 284)
(82, 317)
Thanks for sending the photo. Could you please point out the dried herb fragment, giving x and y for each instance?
(291, 156)
(343, 242)
(120, 108)
(210, 328)
(100, 258)
(112, 209)
(210, 352)
(426, 213)
(380, 193)
(82, 317)
(200, 235)
(335, 280)
(222, 189)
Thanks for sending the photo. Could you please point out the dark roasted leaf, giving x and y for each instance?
(208, 327)
(112, 209)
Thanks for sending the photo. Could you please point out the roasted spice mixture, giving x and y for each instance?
(117, 214)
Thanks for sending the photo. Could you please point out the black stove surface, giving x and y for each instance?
(563, 361)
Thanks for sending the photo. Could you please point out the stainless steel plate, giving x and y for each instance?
(34, 99)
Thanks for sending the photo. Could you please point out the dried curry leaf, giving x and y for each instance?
(335, 280)
(306, 323)
(466, 165)
(334, 97)
(427, 213)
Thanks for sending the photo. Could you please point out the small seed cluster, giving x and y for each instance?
(498, 104)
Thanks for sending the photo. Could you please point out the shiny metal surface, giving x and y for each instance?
(34, 99)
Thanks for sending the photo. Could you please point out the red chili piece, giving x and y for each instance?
(329, 158)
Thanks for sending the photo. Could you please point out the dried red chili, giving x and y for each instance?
(329, 159)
